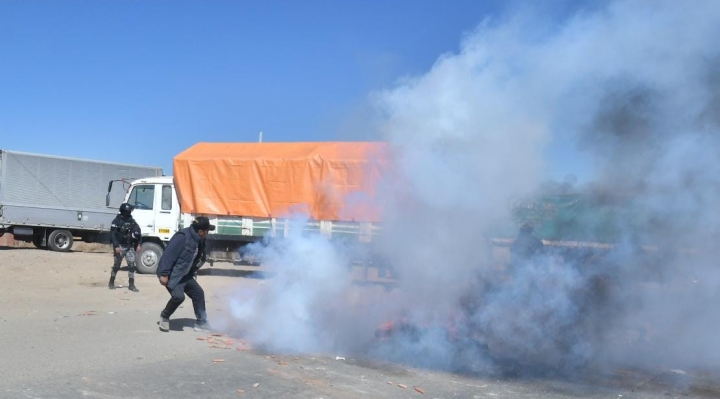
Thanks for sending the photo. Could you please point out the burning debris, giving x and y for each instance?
(220, 341)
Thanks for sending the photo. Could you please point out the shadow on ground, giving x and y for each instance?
(231, 273)
(6, 248)
(32, 247)
(181, 323)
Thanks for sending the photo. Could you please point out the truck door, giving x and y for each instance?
(142, 197)
(166, 218)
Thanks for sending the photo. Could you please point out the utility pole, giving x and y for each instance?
(260, 139)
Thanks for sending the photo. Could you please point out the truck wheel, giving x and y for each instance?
(147, 260)
(60, 240)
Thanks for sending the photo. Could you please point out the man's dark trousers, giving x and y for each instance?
(187, 285)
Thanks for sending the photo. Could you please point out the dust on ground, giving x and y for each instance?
(63, 334)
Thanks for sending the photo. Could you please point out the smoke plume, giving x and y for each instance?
(635, 86)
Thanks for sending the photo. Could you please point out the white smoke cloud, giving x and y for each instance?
(635, 84)
(310, 303)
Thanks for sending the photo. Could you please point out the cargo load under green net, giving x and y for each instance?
(577, 217)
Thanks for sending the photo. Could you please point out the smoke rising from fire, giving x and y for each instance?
(636, 86)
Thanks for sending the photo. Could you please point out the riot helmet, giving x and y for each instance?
(126, 209)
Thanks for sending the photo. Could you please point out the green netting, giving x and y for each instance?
(577, 218)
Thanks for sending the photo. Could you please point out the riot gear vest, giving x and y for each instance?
(126, 231)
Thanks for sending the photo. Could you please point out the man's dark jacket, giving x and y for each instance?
(183, 256)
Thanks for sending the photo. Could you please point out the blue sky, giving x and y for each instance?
(140, 81)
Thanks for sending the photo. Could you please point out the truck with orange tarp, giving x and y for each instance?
(253, 190)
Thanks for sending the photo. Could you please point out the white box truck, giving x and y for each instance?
(51, 201)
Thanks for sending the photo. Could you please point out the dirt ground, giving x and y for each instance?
(63, 334)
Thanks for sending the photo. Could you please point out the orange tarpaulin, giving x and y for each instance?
(324, 180)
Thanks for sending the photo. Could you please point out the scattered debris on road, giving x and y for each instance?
(403, 386)
(339, 358)
(243, 346)
(214, 341)
(255, 385)
(240, 391)
(218, 360)
(89, 313)
(420, 390)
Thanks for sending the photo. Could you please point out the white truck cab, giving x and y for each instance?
(157, 209)
(157, 212)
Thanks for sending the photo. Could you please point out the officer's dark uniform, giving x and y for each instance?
(125, 234)
(183, 256)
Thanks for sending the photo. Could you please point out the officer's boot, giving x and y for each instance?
(132, 286)
(111, 284)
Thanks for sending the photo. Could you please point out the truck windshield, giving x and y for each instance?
(141, 197)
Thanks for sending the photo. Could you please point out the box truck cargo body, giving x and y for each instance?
(253, 190)
(51, 201)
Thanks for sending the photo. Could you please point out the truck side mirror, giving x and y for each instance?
(107, 196)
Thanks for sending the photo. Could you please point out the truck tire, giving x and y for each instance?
(60, 240)
(146, 262)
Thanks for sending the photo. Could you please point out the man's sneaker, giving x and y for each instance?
(164, 324)
(111, 286)
(204, 327)
(133, 288)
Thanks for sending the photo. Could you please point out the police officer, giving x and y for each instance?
(125, 235)
(184, 255)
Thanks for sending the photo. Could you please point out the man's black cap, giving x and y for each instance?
(203, 223)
